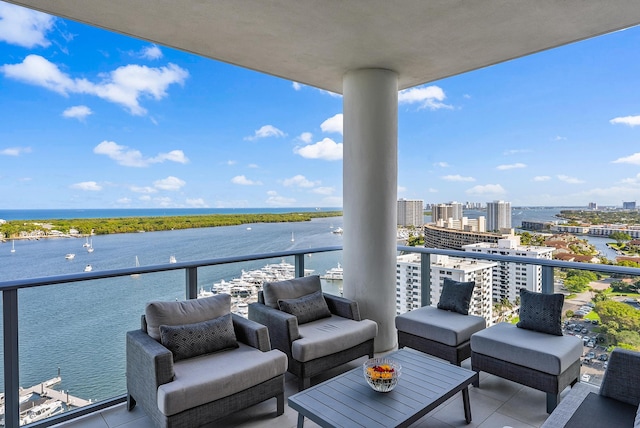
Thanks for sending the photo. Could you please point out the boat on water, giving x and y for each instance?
(248, 228)
(136, 275)
(172, 259)
(337, 231)
(13, 246)
(88, 268)
(90, 249)
(69, 256)
(86, 244)
(333, 274)
(292, 238)
(42, 411)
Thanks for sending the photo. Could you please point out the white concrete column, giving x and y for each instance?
(370, 176)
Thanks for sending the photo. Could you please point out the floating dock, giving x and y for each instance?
(44, 390)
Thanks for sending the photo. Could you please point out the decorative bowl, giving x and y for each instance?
(382, 374)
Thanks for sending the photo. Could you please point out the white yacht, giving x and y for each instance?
(42, 411)
(88, 268)
(337, 231)
(172, 259)
(69, 256)
(333, 274)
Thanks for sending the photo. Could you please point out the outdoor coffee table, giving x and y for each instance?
(348, 401)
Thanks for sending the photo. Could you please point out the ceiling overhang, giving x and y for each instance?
(316, 42)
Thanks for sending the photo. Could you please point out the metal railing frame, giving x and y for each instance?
(10, 289)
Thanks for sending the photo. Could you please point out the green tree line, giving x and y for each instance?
(106, 226)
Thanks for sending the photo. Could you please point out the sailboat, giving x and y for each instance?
(136, 275)
(292, 238)
(86, 244)
(172, 259)
(90, 249)
(13, 246)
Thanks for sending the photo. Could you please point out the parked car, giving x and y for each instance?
(585, 378)
(590, 344)
(591, 354)
(585, 331)
(603, 357)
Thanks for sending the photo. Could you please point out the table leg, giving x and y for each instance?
(467, 406)
(300, 420)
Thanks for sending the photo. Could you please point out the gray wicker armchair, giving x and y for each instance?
(618, 398)
(197, 390)
(314, 346)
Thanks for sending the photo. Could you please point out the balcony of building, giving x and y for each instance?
(497, 402)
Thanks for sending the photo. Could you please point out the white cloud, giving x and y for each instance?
(324, 190)
(170, 183)
(123, 201)
(488, 189)
(265, 132)
(430, 97)
(197, 203)
(297, 86)
(541, 178)
(131, 157)
(441, 164)
(626, 120)
(151, 52)
(124, 85)
(570, 180)
(401, 189)
(633, 180)
(145, 198)
(231, 162)
(516, 151)
(275, 200)
(306, 137)
(90, 186)
(326, 149)
(24, 27)
(253, 165)
(77, 112)
(143, 189)
(15, 151)
(511, 166)
(559, 138)
(432, 190)
(244, 181)
(299, 181)
(457, 177)
(333, 124)
(633, 159)
(163, 201)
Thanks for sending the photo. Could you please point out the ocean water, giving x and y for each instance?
(80, 327)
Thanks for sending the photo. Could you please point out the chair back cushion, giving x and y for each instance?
(541, 312)
(307, 308)
(289, 289)
(190, 340)
(185, 312)
(456, 296)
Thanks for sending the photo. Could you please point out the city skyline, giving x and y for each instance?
(94, 119)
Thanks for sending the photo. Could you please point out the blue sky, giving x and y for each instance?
(92, 119)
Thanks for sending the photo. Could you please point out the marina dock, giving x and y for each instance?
(44, 390)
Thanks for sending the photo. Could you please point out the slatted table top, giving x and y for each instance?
(348, 401)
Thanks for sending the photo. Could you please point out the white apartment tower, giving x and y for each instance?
(410, 212)
(498, 215)
(446, 212)
(509, 278)
(409, 282)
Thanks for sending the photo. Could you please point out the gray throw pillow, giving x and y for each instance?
(289, 289)
(456, 296)
(306, 308)
(541, 312)
(191, 340)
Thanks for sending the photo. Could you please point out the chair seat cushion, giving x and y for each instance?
(438, 325)
(289, 289)
(207, 378)
(539, 351)
(330, 335)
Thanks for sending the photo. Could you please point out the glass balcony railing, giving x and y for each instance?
(80, 332)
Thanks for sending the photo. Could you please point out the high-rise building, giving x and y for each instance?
(629, 205)
(508, 277)
(498, 215)
(410, 212)
(446, 212)
(454, 238)
(409, 282)
(593, 206)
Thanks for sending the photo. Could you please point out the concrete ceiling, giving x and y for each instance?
(316, 41)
